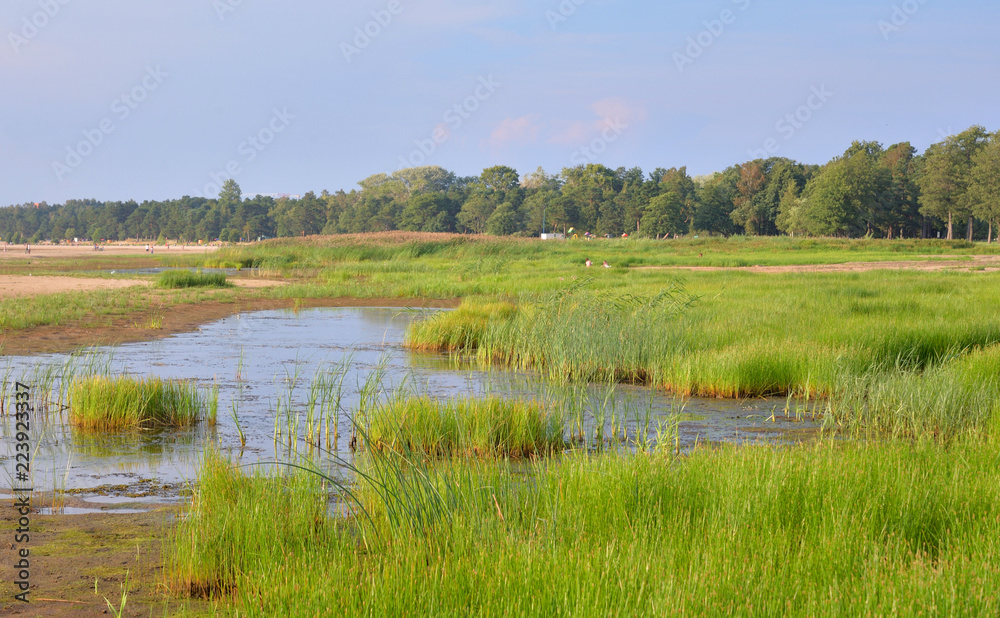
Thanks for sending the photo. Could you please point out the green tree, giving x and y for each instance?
(715, 206)
(475, 213)
(984, 188)
(503, 221)
(666, 215)
(946, 175)
(791, 213)
(421, 214)
(903, 200)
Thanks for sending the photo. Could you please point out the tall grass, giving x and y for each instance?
(485, 427)
(828, 529)
(103, 403)
(241, 528)
(181, 279)
(743, 335)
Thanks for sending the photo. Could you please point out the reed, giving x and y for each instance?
(103, 403)
(181, 279)
(484, 427)
(832, 528)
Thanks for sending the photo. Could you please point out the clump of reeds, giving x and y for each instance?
(179, 279)
(486, 427)
(239, 525)
(102, 403)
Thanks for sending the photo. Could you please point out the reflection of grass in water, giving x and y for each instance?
(851, 529)
(123, 403)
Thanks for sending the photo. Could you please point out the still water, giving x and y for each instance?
(262, 360)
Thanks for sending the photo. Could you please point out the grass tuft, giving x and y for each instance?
(488, 427)
(115, 404)
(181, 279)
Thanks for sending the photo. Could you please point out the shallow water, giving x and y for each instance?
(258, 358)
(162, 269)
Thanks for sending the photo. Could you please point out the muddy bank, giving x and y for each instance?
(70, 553)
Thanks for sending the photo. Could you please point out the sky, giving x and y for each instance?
(118, 99)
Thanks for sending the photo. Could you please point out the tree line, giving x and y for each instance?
(951, 190)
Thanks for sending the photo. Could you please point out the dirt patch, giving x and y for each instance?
(30, 285)
(177, 319)
(987, 263)
(70, 553)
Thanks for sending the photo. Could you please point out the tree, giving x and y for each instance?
(427, 179)
(848, 196)
(715, 207)
(665, 216)
(503, 221)
(750, 210)
(422, 214)
(475, 213)
(946, 176)
(791, 213)
(231, 195)
(984, 188)
(903, 199)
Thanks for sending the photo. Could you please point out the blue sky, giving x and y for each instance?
(117, 99)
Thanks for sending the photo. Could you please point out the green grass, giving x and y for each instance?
(829, 529)
(181, 279)
(102, 404)
(748, 335)
(486, 427)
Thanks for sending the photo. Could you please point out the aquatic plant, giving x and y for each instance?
(105, 403)
(484, 427)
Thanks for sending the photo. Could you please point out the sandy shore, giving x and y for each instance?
(15, 252)
(976, 262)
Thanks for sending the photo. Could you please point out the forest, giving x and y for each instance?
(950, 191)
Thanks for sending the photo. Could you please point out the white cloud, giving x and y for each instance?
(611, 110)
(519, 131)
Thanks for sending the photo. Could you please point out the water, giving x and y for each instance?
(230, 272)
(256, 359)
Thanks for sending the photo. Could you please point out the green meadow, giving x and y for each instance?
(827, 529)
(494, 507)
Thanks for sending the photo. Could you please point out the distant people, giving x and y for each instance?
(588, 263)
(606, 265)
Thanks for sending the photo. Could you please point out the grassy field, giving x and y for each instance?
(830, 529)
(738, 334)
(483, 507)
